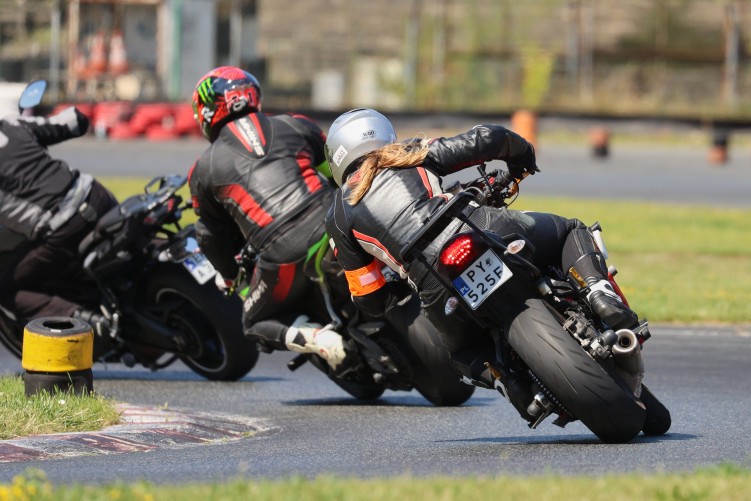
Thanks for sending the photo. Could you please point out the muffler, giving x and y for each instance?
(627, 355)
(626, 343)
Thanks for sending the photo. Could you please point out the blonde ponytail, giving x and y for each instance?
(390, 156)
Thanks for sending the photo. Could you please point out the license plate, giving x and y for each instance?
(482, 278)
(200, 267)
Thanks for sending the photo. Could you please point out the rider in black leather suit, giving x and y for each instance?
(257, 185)
(46, 208)
(406, 190)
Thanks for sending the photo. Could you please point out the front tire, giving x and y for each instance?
(658, 418)
(582, 384)
(208, 318)
(360, 389)
(432, 374)
(11, 335)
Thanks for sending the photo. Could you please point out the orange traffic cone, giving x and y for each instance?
(718, 154)
(599, 139)
(524, 123)
(97, 58)
(118, 56)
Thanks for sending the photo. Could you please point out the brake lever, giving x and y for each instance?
(513, 187)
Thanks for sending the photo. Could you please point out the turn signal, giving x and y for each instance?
(516, 246)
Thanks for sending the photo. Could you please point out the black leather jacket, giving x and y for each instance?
(257, 176)
(37, 193)
(401, 200)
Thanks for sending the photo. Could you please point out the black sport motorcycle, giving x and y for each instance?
(547, 339)
(146, 274)
(400, 351)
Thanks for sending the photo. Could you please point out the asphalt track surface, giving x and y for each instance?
(313, 428)
(656, 173)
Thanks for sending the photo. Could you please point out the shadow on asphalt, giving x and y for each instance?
(573, 439)
(172, 376)
(388, 401)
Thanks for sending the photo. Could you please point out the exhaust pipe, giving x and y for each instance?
(627, 355)
(626, 344)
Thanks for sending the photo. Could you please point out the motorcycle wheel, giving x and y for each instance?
(209, 318)
(361, 390)
(11, 336)
(433, 376)
(586, 387)
(658, 419)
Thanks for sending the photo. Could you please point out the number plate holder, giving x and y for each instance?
(483, 277)
(200, 267)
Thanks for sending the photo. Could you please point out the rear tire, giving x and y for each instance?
(208, 318)
(582, 384)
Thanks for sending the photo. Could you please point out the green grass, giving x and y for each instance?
(50, 412)
(727, 482)
(677, 263)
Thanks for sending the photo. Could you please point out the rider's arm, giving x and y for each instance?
(316, 139)
(480, 144)
(67, 124)
(218, 235)
(369, 289)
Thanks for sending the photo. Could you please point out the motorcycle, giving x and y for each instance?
(401, 351)
(547, 339)
(146, 274)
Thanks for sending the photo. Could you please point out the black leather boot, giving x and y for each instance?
(590, 279)
(609, 308)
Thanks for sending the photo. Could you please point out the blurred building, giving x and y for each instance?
(124, 49)
(680, 58)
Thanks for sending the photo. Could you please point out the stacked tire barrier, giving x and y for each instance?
(57, 355)
(124, 120)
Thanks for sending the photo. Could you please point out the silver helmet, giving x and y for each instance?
(354, 134)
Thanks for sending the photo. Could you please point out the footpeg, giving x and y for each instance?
(474, 382)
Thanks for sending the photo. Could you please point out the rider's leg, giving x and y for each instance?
(586, 269)
(55, 257)
(304, 336)
(567, 244)
(271, 314)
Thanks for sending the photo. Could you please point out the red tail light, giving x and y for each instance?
(459, 252)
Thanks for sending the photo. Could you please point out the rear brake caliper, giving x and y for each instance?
(597, 344)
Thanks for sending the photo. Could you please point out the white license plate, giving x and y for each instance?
(482, 278)
(200, 267)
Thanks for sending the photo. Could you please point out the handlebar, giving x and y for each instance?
(494, 188)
